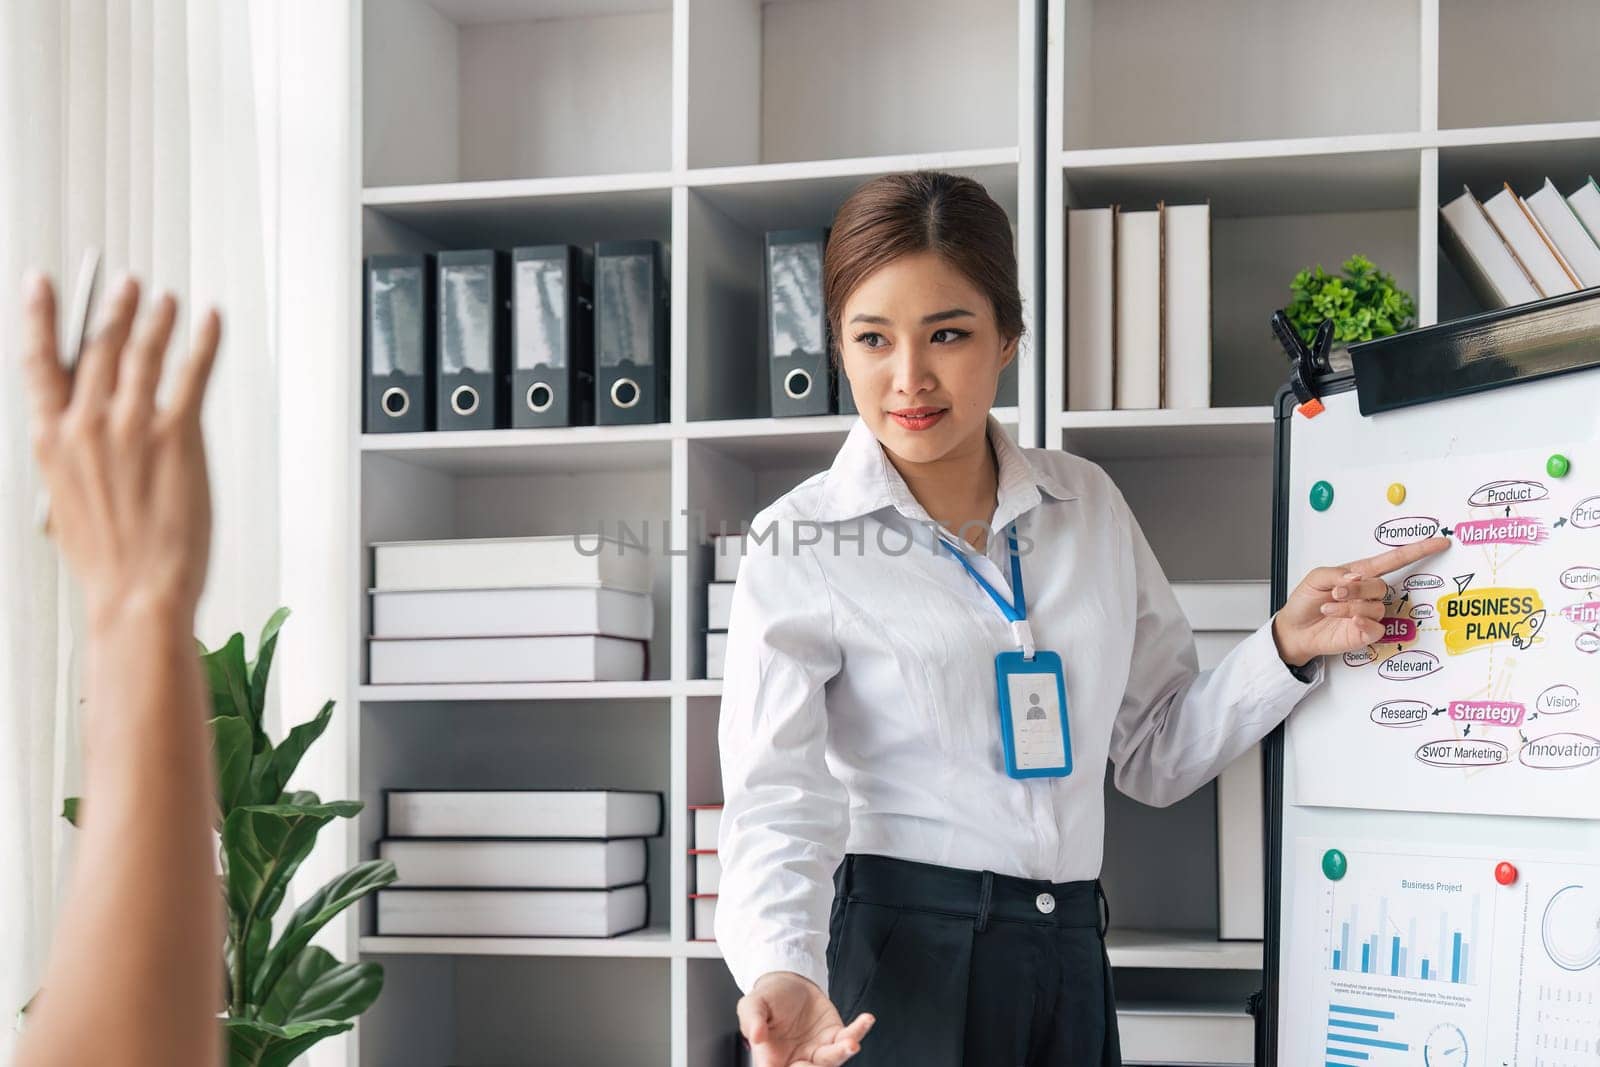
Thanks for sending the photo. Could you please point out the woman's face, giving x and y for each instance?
(923, 353)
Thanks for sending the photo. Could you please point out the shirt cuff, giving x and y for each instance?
(749, 962)
(1279, 682)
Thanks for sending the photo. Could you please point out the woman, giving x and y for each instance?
(905, 835)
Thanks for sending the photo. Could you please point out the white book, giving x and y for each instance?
(1186, 1033)
(1186, 300)
(707, 821)
(1529, 243)
(703, 917)
(510, 563)
(512, 912)
(1138, 362)
(707, 872)
(1212, 646)
(480, 660)
(726, 552)
(1091, 308)
(716, 654)
(588, 813)
(543, 612)
(1241, 860)
(719, 604)
(1576, 245)
(1473, 244)
(515, 864)
(1242, 605)
(1585, 201)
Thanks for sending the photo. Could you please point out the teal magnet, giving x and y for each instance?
(1322, 496)
(1334, 865)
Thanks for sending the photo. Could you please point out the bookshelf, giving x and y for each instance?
(703, 123)
(1313, 135)
(700, 124)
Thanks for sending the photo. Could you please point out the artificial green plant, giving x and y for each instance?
(1363, 302)
(285, 994)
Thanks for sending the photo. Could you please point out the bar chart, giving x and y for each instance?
(1430, 938)
(1363, 1036)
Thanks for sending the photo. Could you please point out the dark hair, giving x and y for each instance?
(923, 211)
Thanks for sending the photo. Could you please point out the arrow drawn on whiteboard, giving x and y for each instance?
(1464, 580)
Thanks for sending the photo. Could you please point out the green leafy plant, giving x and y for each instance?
(1363, 303)
(283, 995)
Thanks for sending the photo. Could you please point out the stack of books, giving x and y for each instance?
(1222, 614)
(705, 870)
(1513, 249)
(726, 552)
(494, 863)
(515, 609)
(1139, 308)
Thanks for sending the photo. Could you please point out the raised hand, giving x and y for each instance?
(790, 1022)
(1337, 609)
(129, 503)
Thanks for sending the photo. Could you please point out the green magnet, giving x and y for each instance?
(1322, 496)
(1334, 864)
(1558, 465)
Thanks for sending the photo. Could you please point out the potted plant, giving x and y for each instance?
(1363, 303)
(283, 995)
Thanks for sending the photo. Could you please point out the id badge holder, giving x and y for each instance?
(1033, 715)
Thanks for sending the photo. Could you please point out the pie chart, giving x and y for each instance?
(1571, 928)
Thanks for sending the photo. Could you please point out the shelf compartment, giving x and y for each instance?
(465, 90)
(1541, 53)
(485, 1010)
(406, 501)
(1139, 73)
(1207, 517)
(1524, 156)
(427, 218)
(601, 744)
(1271, 217)
(758, 100)
(713, 1021)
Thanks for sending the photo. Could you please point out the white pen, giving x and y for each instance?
(77, 332)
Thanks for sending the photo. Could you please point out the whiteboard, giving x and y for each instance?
(1418, 954)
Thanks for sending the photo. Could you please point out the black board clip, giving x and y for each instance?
(1307, 363)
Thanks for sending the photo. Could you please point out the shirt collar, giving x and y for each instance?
(862, 480)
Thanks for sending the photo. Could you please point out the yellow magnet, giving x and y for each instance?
(1397, 494)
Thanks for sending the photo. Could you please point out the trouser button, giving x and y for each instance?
(1045, 903)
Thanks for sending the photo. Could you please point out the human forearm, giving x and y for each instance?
(144, 879)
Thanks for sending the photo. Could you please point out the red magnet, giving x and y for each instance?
(1505, 874)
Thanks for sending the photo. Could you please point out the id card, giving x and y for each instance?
(1033, 715)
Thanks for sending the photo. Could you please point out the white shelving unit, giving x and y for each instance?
(1314, 133)
(701, 124)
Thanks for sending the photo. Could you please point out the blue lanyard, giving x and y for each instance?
(1016, 614)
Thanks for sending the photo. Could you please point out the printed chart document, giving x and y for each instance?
(1425, 958)
(1483, 697)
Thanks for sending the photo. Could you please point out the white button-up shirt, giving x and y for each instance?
(859, 707)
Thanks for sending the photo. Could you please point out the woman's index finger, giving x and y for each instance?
(1395, 558)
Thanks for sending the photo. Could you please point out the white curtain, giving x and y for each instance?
(205, 146)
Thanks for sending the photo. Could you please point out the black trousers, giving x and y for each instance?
(971, 969)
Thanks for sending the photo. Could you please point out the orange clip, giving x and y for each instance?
(1311, 408)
